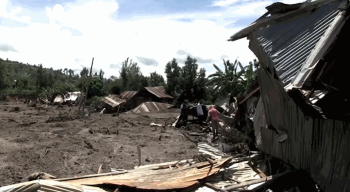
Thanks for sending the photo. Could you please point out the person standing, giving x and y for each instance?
(213, 116)
(184, 113)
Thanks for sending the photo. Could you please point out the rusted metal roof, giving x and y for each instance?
(128, 94)
(113, 100)
(159, 92)
(151, 107)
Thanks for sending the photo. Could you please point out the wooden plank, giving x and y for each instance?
(214, 187)
(155, 166)
(90, 176)
(243, 184)
(160, 179)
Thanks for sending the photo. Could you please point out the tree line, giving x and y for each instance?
(187, 82)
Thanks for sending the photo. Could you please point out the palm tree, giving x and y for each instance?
(229, 81)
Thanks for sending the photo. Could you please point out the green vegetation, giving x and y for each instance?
(187, 82)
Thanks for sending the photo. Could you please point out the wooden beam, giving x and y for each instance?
(89, 176)
(243, 184)
(211, 186)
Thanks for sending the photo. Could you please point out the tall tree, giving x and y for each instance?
(131, 76)
(84, 72)
(3, 83)
(189, 74)
(156, 79)
(173, 76)
(41, 80)
(101, 74)
(200, 91)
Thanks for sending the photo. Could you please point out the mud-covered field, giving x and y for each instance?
(66, 148)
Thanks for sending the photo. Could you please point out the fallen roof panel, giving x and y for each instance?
(113, 100)
(151, 107)
(128, 94)
(159, 92)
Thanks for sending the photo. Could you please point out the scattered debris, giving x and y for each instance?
(88, 145)
(99, 171)
(15, 109)
(27, 123)
(40, 175)
(153, 125)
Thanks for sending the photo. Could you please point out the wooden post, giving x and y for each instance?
(87, 87)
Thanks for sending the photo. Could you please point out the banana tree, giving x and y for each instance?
(228, 81)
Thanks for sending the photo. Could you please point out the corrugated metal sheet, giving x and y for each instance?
(151, 107)
(285, 46)
(113, 100)
(72, 96)
(128, 94)
(49, 186)
(58, 99)
(159, 92)
(315, 96)
(319, 146)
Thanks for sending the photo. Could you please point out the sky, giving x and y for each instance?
(69, 33)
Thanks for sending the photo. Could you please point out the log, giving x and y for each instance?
(243, 184)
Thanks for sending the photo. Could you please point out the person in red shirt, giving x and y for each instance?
(213, 116)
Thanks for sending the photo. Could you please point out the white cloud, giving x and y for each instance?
(214, 15)
(251, 8)
(110, 41)
(224, 3)
(292, 1)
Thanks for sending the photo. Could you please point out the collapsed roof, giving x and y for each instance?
(113, 100)
(128, 94)
(301, 45)
(158, 92)
(151, 107)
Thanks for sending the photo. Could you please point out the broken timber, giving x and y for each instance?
(162, 179)
(243, 184)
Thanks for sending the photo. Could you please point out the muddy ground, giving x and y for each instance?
(29, 144)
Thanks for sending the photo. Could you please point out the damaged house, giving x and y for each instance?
(302, 116)
(153, 97)
(156, 94)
